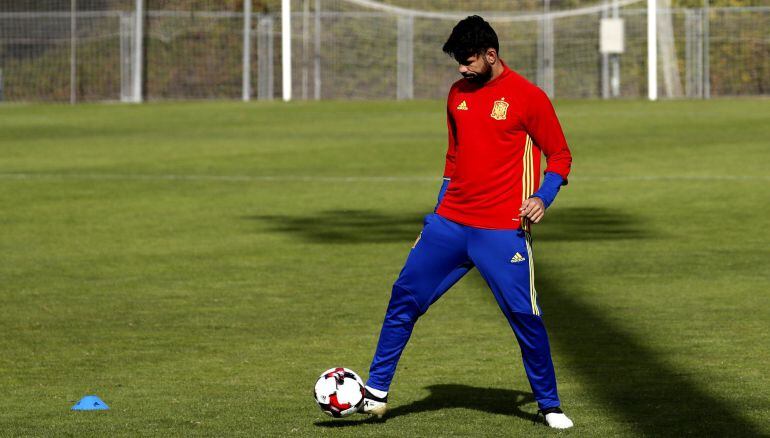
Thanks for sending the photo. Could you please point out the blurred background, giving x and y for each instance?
(101, 50)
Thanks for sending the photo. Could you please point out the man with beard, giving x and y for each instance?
(498, 123)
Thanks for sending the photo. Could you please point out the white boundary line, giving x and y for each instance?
(339, 179)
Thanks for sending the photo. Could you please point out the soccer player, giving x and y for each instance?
(498, 123)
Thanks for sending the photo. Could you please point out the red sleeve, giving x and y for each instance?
(543, 126)
(449, 167)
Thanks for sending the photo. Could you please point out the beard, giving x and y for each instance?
(480, 77)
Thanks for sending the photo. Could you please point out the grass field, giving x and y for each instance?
(197, 265)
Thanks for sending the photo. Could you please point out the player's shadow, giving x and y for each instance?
(490, 400)
(632, 382)
(372, 226)
(447, 396)
(590, 224)
(347, 226)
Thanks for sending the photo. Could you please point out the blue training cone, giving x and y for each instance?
(90, 403)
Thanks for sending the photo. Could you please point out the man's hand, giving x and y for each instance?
(532, 209)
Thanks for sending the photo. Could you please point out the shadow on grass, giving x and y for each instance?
(590, 223)
(370, 226)
(348, 226)
(489, 400)
(631, 379)
(634, 383)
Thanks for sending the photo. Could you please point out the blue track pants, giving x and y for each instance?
(444, 252)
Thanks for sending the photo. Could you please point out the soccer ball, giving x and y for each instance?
(339, 392)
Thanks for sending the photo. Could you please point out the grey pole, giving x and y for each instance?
(305, 47)
(548, 64)
(615, 59)
(246, 50)
(317, 69)
(540, 74)
(689, 88)
(405, 58)
(73, 52)
(706, 62)
(138, 50)
(605, 63)
(265, 59)
(125, 57)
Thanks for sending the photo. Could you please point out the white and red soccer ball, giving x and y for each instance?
(339, 392)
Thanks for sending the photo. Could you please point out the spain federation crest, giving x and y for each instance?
(500, 110)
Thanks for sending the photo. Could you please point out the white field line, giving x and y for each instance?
(340, 179)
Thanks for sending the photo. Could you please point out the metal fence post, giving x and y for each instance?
(305, 47)
(706, 62)
(605, 82)
(138, 51)
(317, 54)
(615, 59)
(545, 51)
(73, 52)
(125, 37)
(405, 54)
(246, 86)
(265, 59)
(693, 53)
(539, 73)
(689, 89)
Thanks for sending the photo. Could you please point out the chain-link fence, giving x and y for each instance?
(63, 50)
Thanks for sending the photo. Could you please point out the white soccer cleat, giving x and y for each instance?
(374, 405)
(556, 419)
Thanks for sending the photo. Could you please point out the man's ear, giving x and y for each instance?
(491, 56)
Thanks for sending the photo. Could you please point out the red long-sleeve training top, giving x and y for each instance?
(497, 132)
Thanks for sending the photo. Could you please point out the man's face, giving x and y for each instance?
(476, 69)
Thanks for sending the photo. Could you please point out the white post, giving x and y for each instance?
(652, 50)
(286, 48)
(73, 52)
(246, 50)
(138, 50)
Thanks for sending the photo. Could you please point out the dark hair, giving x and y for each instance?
(471, 36)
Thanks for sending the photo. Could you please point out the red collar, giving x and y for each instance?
(503, 74)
